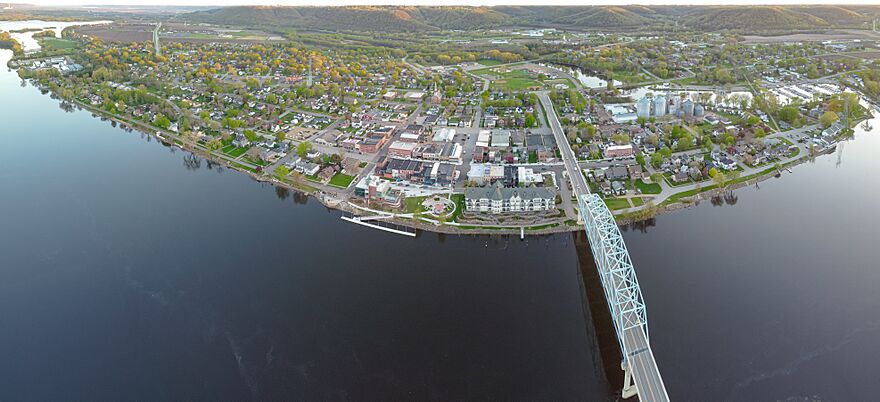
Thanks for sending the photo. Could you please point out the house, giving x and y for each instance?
(635, 171)
(241, 141)
(680, 177)
(497, 199)
(606, 188)
(618, 188)
(616, 173)
(327, 173)
(727, 163)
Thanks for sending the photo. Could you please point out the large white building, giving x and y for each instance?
(498, 199)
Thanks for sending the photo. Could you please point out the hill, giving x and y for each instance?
(634, 17)
(768, 18)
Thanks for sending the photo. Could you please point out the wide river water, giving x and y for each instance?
(129, 270)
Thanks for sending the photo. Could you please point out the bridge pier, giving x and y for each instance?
(629, 384)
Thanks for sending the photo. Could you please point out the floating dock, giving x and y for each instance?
(374, 226)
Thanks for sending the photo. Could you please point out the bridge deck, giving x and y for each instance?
(643, 367)
(615, 270)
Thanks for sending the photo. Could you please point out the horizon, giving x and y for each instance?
(426, 3)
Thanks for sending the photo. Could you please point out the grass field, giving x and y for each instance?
(61, 44)
(515, 83)
(617, 203)
(234, 151)
(341, 180)
(489, 62)
(646, 188)
(414, 204)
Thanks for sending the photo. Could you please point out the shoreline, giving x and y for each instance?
(552, 227)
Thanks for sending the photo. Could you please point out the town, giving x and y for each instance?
(460, 134)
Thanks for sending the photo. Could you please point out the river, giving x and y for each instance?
(133, 271)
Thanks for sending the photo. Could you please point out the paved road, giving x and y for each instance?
(644, 369)
(579, 184)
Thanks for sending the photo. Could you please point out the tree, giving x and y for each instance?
(303, 149)
(656, 159)
(214, 144)
(280, 136)
(251, 135)
(281, 171)
(685, 142)
(530, 120)
(640, 159)
(161, 122)
(719, 178)
(789, 114)
(828, 118)
(760, 133)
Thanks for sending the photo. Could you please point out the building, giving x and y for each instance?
(402, 149)
(619, 151)
(444, 135)
(498, 199)
(374, 189)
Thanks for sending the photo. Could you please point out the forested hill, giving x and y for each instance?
(744, 19)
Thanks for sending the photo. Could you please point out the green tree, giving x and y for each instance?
(656, 159)
(281, 171)
(789, 114)
(303, 149)
(161, 121)
(828, 118)
(640, 159)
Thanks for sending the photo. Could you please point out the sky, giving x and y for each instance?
(426, 2)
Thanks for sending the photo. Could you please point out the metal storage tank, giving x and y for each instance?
(643, 107)
(698, 110)
(688, 107)
(660, 106)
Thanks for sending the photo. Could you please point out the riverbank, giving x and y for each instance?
(333, 199)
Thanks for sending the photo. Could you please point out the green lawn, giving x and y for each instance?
(54, 43)
(646, 188)
(414, 204)
(638, 201)
(617, 203)
(533, 157)
(235, 152)
(341, 180)
(458, 199)
(258, 162)
(490, 62)
(515, 83)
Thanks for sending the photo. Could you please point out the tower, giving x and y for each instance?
(309, 82)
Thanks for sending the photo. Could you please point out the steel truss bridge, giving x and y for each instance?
(616, 272)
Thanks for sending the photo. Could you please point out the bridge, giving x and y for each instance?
(616, 272)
